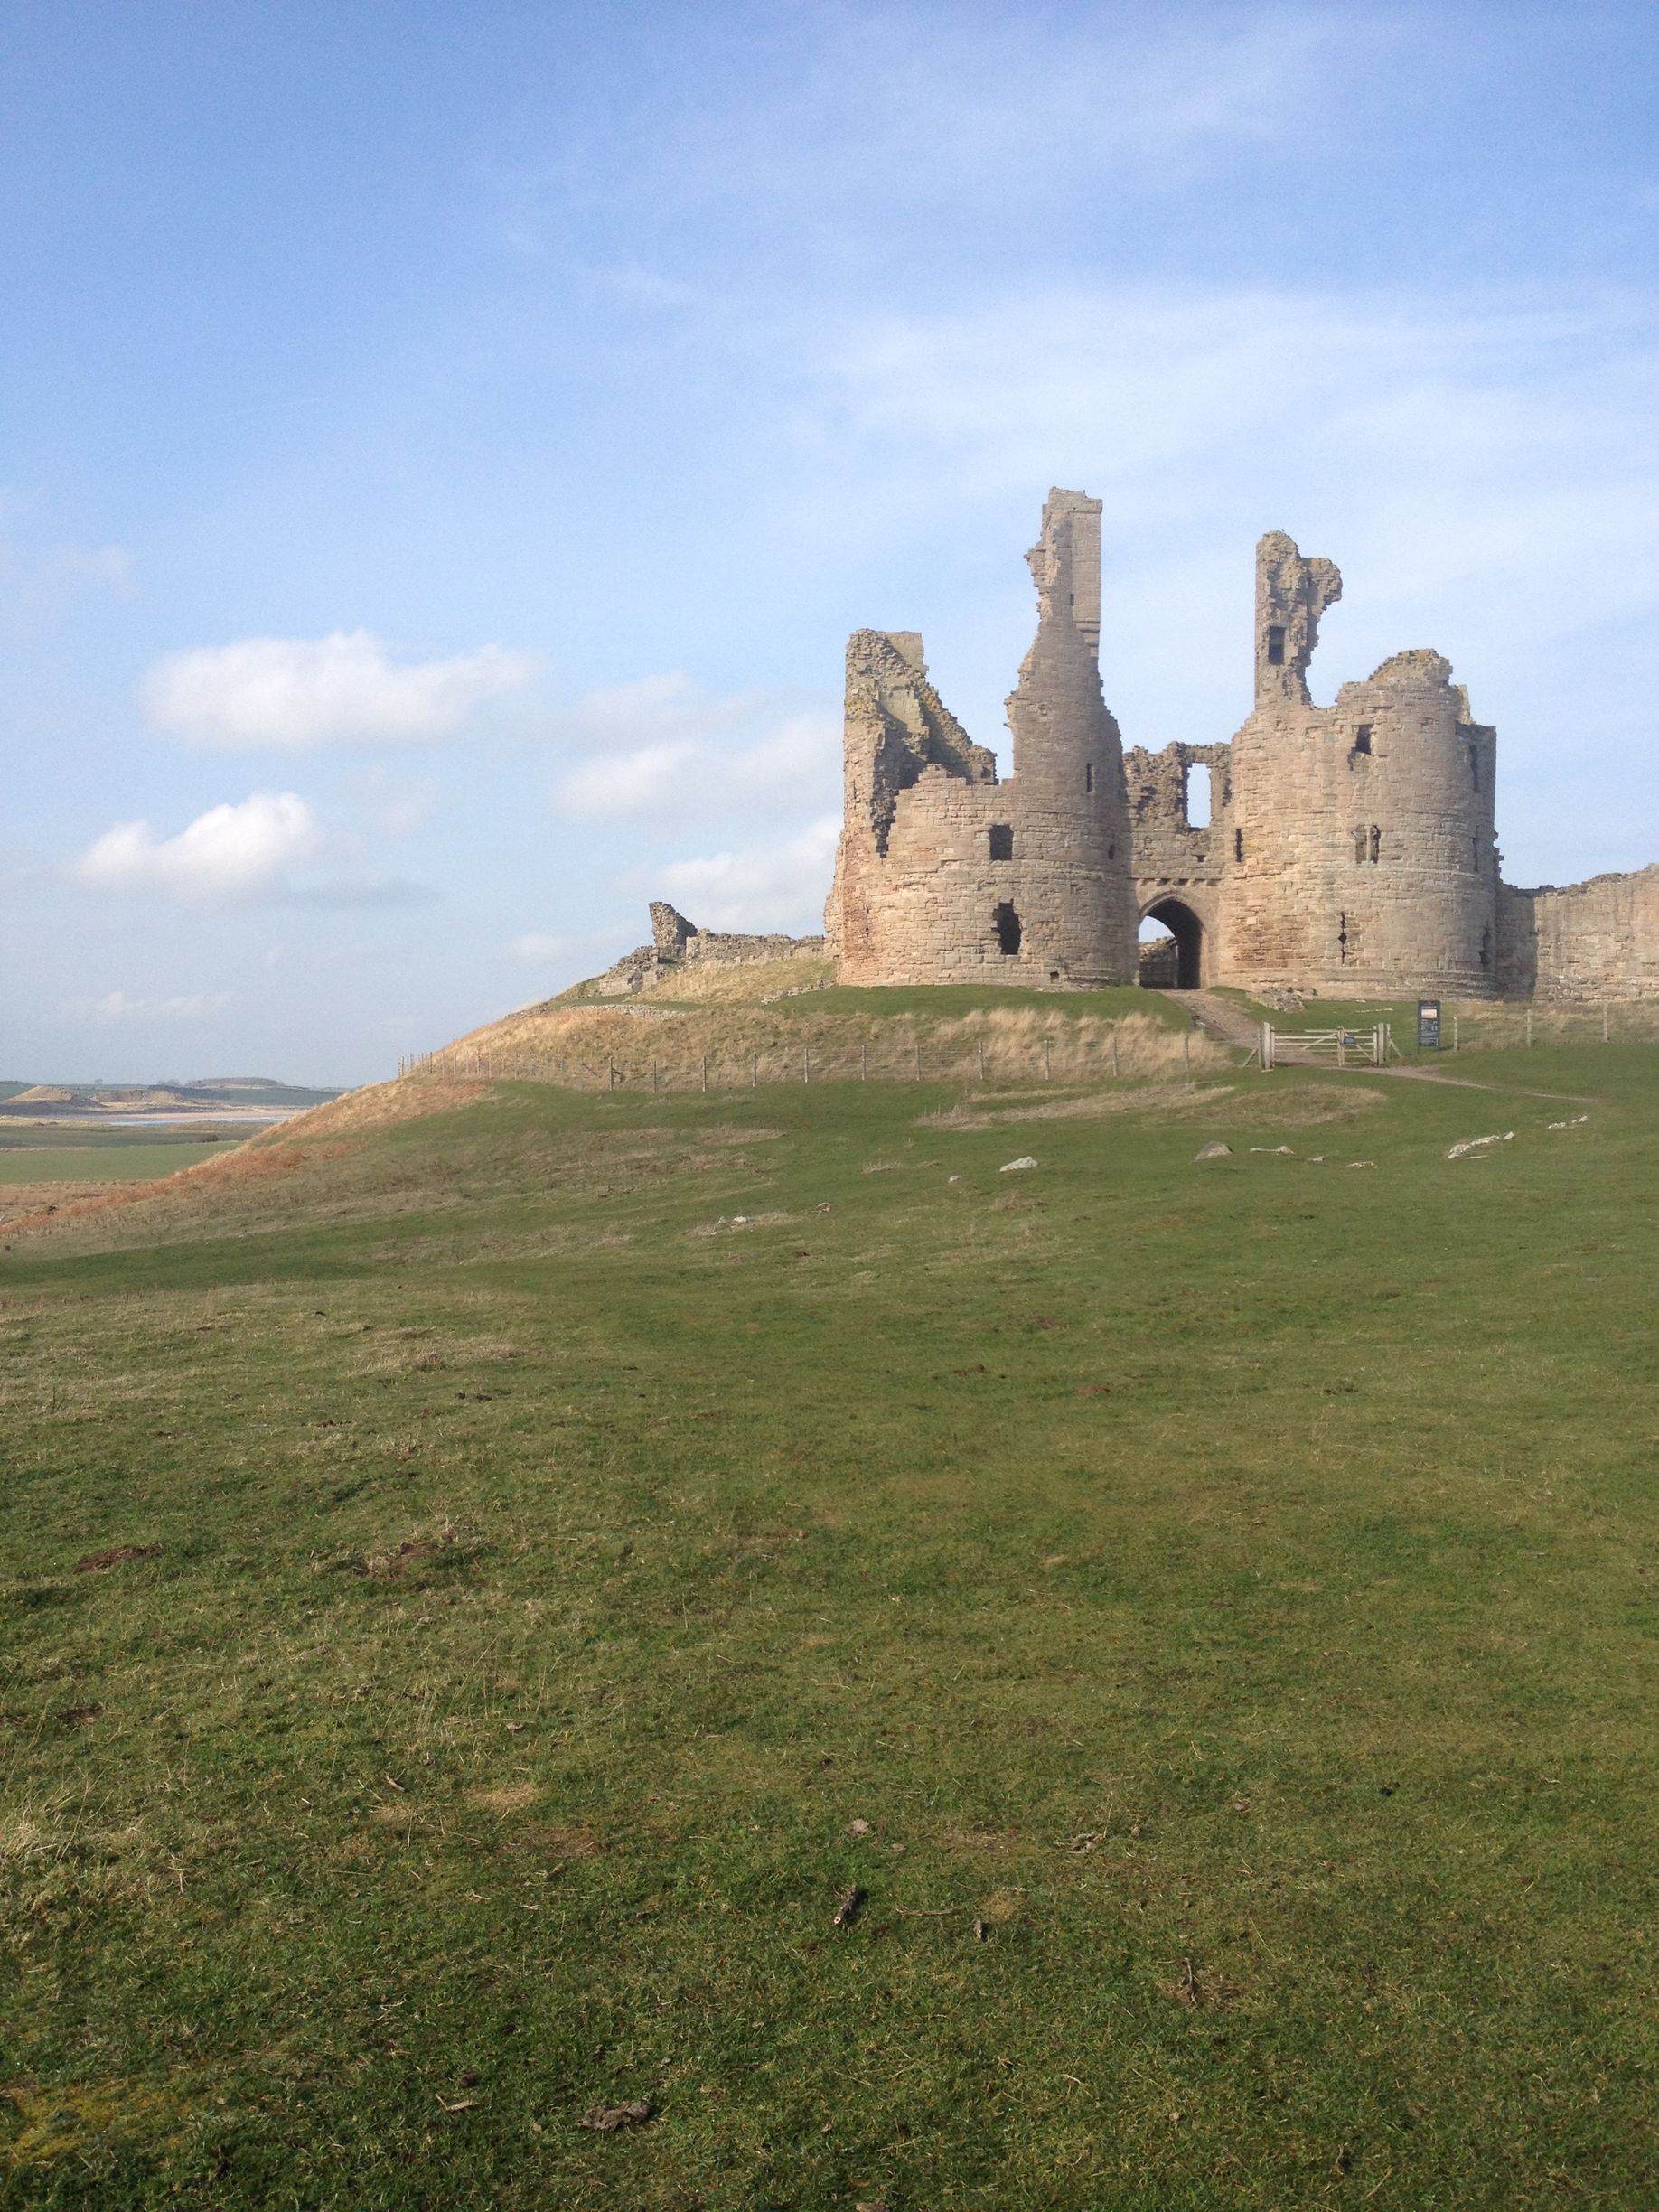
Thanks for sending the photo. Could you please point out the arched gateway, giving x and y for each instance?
(1187, 931)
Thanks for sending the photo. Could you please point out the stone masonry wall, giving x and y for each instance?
(1595, 939)
(1363, 858)
(945, 874)
(1173, 861)
(677, 944)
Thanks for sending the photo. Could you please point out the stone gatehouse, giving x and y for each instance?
(1350, 849)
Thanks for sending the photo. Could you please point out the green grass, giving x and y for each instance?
(1232, 1587)
(76, 1163)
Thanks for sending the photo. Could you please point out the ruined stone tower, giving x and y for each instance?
(1361, 854)
(1349, 849)
(945, 874)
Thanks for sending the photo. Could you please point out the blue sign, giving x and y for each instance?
(1427, 1025)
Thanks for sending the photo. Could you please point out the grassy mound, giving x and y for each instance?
(1117, 1683)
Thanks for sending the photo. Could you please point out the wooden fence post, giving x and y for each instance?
(1114, 1050)
(864, 1062)
(705, 1071)
(753, 1069)
(1605, 1038)
(1529, 1026)
(918, 1063)
(980, 1049)
(1048, 1064)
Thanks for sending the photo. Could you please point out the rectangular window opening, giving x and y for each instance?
(1002, 840)
(1362, 738)
(1276, 647)
(1087, 776)
(1196, 798)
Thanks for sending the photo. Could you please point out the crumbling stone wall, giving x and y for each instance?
(1173, 861)
(945, 874)
(1595, 939)
(1364, 856)
(1350, 848)
(677, 944)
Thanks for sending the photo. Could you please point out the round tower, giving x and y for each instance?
(943, 873)
(1364, 858)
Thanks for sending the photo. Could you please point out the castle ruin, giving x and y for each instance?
(1351, 849)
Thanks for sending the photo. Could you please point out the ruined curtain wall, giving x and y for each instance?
(1595, 939)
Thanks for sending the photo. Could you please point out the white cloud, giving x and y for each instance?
(229, 853)
(536, 946)
(658, 748)
(115, 1006)
(308, 691)
(773, 886)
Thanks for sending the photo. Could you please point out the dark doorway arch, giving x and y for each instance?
(1187, 931)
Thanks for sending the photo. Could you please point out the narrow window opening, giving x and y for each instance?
(1475, 853)
(1087, 776)
(1197, 796)
(1276, 647)
(1341, 938)
(1376, 842)
(1053, 975)
(1485, 947)
(1238, 844)
(1006, 922)
(1362, 738)
(1112, 852)
(1475, 767)
(1002, 840)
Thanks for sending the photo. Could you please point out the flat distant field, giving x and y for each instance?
(107, 1162)
(1123, 1684)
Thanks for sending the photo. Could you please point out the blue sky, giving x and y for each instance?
(443, 451)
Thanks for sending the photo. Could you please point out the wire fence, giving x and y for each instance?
(1476, 1026)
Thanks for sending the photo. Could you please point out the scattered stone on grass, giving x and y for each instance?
(117, 1555)
(1577, 1121)
(1014, 1166)
(1213, 1151)
(605, 2119)
(1478, 1144)
(858, 1827)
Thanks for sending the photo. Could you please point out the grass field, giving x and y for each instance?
(1204, 1614)
(76, 1163)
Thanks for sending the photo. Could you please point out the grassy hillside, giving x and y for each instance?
(490, 1570)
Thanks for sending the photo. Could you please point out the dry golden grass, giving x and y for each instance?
(580, 1045)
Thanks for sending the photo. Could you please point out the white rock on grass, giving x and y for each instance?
(1012, 1167)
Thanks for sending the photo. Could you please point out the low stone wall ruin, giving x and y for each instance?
(677, 944)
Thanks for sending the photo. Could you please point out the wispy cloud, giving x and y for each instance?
(657, 749)
(115, 1006)
(776, 886)
(39, 585)
(342, 688)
